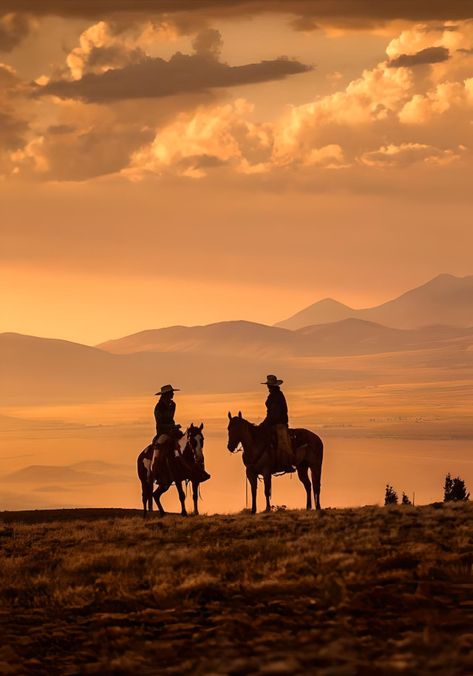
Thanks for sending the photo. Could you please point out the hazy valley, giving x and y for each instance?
(389, 402)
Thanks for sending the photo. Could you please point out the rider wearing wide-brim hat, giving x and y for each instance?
(277, 421)
(165, 411)
(169, 461)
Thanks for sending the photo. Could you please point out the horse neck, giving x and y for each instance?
(247, 440)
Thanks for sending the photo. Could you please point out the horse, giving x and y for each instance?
(258, 460)
(192, 445)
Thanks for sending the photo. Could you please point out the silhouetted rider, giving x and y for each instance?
(276, 406)
(276, 423)
(168, 434)
(164, 411)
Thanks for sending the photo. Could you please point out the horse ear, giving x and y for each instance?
(239, 414)
(229, 415)
(201, 426)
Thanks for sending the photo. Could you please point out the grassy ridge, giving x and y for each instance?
(346, 591)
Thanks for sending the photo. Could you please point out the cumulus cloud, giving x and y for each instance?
(343, 130)
(210, 137)
(438, 101)
(86, 142)
(391, 117)
(102, 47)
(156, 77)
(424, 57)
(372, 98)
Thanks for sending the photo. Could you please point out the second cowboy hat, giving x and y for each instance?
(167, 388)
(273, 380)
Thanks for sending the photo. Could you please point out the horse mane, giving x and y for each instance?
(251, 425)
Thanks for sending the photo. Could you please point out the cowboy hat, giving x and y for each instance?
(272, 380)
(167, 388)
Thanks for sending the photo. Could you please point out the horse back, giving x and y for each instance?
(302, 437)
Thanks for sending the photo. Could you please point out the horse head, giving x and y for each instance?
(235, 431)
(195, 439)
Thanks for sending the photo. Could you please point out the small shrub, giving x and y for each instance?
(390, 496)
(454, 490)
(405, 499)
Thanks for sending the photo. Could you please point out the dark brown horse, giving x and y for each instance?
(148, 472)
(259, 460)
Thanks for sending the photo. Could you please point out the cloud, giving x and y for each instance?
(93, 123)
(438, 101)
(210, 137)
(13, 126)
(13, 29)
(373, 122)
(12, 130)
(113, 44)
(86, 142)
(102, 47)
(340, 12)
(425, 56)
(423, 40)
(407, 154)
(155, 77)
(369, 100)
(208, 42)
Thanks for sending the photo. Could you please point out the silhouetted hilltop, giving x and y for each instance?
(225, 356)
(245, 339)
(232, 337)
(446, 299)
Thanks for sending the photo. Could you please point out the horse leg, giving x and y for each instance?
(267, 491)
(162, 488)
(316, 472)
(253, 479)
(150, 497)
(182, 498)
(144, 496)
(195, 496)
(303, 474)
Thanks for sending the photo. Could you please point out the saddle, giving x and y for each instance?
(288, 449)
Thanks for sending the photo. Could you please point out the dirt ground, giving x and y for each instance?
(341, 592)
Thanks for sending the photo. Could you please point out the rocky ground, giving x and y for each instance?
(341, 592)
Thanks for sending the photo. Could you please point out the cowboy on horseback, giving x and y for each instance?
(168, 433)
(164, 413)
(170, 461)
(276, 424)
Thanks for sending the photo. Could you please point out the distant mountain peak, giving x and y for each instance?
(445, 299)
(331, 302)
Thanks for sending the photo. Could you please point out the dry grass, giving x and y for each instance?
(352, 591)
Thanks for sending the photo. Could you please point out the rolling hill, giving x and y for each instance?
(231, 338)
(231, 356)
(247, 340)
(446, 299)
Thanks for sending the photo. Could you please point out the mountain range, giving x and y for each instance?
(225, 356)
(446, 299)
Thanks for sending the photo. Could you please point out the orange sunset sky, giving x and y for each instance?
(188, 162)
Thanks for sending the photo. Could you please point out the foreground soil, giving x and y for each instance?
(341, 592)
